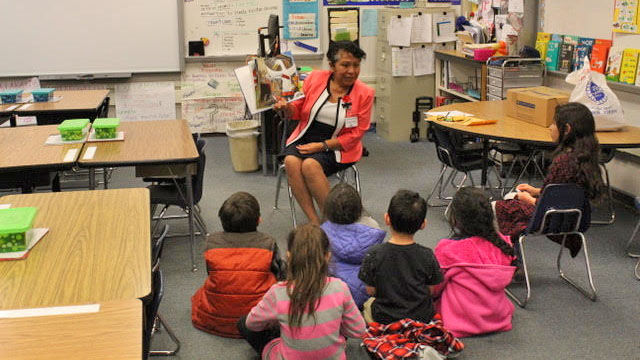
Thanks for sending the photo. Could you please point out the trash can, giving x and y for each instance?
(243, 144)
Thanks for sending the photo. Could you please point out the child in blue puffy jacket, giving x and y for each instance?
(351, 235)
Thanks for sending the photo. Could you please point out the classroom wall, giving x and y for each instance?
(593, 18)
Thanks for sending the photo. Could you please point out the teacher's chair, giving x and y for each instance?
(562, 210)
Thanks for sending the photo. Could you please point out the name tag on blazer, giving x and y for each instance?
(351, 122)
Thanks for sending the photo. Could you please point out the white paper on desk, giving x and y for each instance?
(444, 27)
(92, 136)
(423, 60)
(33, 236)
(421, 28)
(49, 311)
(447, 113)
(516, 6)
(89, 153)
(401, 61)
(56, 139)
(71, 155)
(399, 30)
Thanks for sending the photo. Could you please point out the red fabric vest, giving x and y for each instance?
(238, 279)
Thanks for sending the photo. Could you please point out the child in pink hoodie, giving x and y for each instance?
(476, 263)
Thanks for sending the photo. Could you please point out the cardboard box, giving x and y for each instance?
(535, 105)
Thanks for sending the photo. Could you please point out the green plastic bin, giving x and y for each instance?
(14, 223)
(73, 129)
(106, 127)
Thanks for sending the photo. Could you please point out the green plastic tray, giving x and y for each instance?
(14, 223)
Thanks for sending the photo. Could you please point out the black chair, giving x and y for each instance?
(153, 321)
(175, 193)
(562, 210)
(283, 129)
(103, 109)
(633, 236)
(456, 156)
(606, 155)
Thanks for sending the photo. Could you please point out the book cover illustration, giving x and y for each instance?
(276, 77)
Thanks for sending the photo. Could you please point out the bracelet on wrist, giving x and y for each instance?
(325, 147)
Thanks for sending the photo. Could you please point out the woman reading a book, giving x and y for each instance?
(332, 119)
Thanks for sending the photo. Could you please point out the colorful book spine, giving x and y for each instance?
(559, 38)
(583, 49)
(613, 64)
(599, 55)
(551, 59)
(542, 36)
(629, 66)
(571, 39)
(541, 46)
(565, 58)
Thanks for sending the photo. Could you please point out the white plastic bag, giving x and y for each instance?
(592, 90)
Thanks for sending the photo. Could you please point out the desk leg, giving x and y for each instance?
(263, 142)
(192, 238)
(13, 121)
(92, 178)
(105, 175)
(485, 162)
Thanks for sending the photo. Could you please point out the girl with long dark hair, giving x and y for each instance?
(313, 311)
(476, 264)
(575, 160)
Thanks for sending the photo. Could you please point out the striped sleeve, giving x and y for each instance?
(352, 324)
(264, 315)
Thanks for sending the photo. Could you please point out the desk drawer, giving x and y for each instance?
(494, 81)
(494, 90)
(493, 97)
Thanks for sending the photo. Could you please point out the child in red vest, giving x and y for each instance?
(242, 264)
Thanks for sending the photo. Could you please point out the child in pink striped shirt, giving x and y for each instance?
(308, 316)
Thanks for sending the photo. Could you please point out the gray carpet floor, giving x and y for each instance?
(559, 322)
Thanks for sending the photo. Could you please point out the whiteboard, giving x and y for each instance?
(232, 25)
(44, 37)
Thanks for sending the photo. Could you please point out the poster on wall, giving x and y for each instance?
(344, 24)
(146, 101)
(205, 80)
(359, 2)
(300, 19)
(211, 115)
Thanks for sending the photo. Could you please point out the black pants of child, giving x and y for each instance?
(257, 339)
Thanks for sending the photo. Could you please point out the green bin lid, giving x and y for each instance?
(106, 123)
(43, 91)
(306, 69)
(73, 124)
(15, 220)
(11, 92)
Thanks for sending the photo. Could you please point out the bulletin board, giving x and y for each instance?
(232, 26)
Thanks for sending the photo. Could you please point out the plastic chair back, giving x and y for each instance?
(198, 179)
(158, 245)
(151, 309)
(561, 209)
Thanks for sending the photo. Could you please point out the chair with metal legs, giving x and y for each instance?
(455, 159)
(631, 238)
(176, 194)
(606, 155)
(562, 210)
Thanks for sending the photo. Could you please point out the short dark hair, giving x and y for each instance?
(343, 204)
(407, 211)
(240, 213)
(345, 45)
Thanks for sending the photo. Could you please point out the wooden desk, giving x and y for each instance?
(73, 104)
(23, 148)
(512, 129)
(145, 143)
(114, 332)
(161, 142)
(97, 249)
